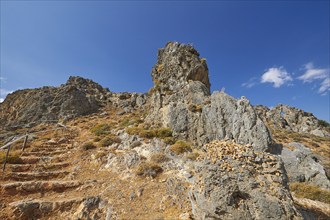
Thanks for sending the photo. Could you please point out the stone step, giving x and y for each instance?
(45, 153)
(37, 167)
(44, 159)
(23, 176)
(37, 208)
(30, 187)
(49, 149)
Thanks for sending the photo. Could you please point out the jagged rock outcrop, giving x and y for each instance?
(234, 182)
(181, 100)
(292, 119)
(303, 166)
(77, 97)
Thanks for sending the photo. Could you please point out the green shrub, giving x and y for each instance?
(101, 129)
(180, 147)
(169, 140)
(150, 133)
(88, 146)
(323, 123)
(312, 192)
(148, 169)
(159, 158)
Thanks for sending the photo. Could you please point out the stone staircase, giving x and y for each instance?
(41, 187)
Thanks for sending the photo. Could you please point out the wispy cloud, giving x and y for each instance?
(276, 76)
(316, 74)
(325, 86)
(250, 83)
(312, 73)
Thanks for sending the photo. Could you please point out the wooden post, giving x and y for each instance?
(4, 164)
(25, 141)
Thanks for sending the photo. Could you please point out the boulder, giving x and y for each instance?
(303, 166)
(233, 181)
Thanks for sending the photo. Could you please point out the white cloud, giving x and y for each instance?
(312, 73)
(277, 76)
(250, 83)
(1, 100)
(325, 86)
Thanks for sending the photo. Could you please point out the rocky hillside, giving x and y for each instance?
(176, 152)
(78, 96)
(293, 119)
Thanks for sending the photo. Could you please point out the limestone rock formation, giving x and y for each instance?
(77, 97)
(292, 119)
(181, 100)
(234, 182)
(303, 166)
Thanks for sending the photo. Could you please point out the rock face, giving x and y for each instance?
(77, 97)
(303, 166)
(181, 100)
(234, 182)
(292, 119)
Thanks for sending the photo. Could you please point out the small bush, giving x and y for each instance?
(193, 156)
(164, 132)
(169, 140)
(148, 169)
(150, 133)
(304, 190)
(180, 147)
(88, 146)
(135, 144)
(159, 158)
(195, 108)
(323, 123)
(101, 129)
(96, 139)
(107, 141)
(13, 158)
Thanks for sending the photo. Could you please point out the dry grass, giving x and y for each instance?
(88, 146)
(101, 129)
(193, 155)
(303, 190)
(150, 133)
(159, 158)
(180, 147)
(109, 140)
(13, 157)
(148, 169)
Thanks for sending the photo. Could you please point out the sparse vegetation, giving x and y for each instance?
(150, 133)
(13, 157)
(109, 140)
(312, 192)
(159, 158)
(324, 123)
(101, 129)
(180, 147)
(193, 155)
(88, 146)
(148, 169)
(160, 68)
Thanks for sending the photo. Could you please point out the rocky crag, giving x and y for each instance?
(176, 152)
(292, 119)
(181, 100)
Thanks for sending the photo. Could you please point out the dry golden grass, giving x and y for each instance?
(148, 169)
(180, 147)
(303, 190)
(159, 158)
(13, 157)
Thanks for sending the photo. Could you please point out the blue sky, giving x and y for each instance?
(271, 52)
